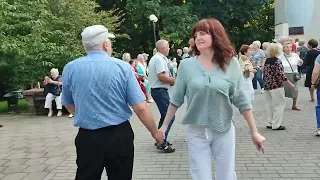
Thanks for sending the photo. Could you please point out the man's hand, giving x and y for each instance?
(313, 87)
(173, 81)
(159, 136)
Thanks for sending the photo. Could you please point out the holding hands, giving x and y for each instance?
(159, 136)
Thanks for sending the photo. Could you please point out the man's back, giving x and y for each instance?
(101, 88)
(158, 64)
(302, 52)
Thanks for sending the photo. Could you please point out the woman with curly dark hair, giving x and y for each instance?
(212, 81)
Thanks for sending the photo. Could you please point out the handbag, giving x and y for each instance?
(57, 91)
(296, 75)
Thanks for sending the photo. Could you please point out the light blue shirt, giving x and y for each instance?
(257, 58)
(210, 95)
(101, 88)
(158, 64)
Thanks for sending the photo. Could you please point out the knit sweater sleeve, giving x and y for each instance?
(179, 89)
(240, 97)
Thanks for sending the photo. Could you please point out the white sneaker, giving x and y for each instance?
(150, 101)
(262, 91)
(59, 113)
(50, 113)
(70, 116)
(318, 132)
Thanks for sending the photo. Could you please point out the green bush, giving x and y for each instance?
(37, 35)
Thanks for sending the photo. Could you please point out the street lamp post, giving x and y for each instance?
(153, 18)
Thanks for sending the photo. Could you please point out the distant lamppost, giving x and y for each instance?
(153, 18)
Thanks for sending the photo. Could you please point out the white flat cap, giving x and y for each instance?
(95, 35)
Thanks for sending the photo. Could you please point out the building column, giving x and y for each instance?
(281, 22)
(312, 31)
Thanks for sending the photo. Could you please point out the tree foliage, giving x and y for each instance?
(244, 20)
(37, 35)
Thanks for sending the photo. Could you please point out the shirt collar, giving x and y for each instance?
(97, 52)
(161, 55)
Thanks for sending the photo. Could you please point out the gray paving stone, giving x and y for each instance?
(16, 176)
(14, 169)
(35, 155)
(17, 156)
(35, 176)
(3, 161)
(14, 162)
(35, 161)
(36, 168)
(55, 160)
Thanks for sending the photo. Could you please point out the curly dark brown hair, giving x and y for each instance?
(221, 44)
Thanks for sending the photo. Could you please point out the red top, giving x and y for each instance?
(294, 48)
(143, 89)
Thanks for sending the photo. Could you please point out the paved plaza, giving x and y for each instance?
(41, 148)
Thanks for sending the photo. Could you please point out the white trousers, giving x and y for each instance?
(49, 98)
(275, 104)
(205, 144)
(249, 89)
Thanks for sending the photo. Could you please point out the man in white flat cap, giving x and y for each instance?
(98, 90)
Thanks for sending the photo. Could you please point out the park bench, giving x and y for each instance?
(36, 99)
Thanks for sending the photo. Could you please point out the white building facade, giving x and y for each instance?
(297, 19)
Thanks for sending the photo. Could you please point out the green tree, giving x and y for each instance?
(177, 24)
(37, 35)
(174, 24)
(244, 20)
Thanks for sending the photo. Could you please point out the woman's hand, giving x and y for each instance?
(258, 141)
(253, 70)
(49, 81)
(291, 85)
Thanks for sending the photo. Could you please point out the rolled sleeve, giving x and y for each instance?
(66, 91)
(133, 90)
(179, 89)
(161, 65)
(240, 97)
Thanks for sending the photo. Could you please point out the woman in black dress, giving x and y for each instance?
(309, 64)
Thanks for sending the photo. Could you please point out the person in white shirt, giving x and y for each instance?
(160, 80)
(175, 67)
(290, 62)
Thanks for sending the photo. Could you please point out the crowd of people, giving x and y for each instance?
(102, 91)
(278, 67)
